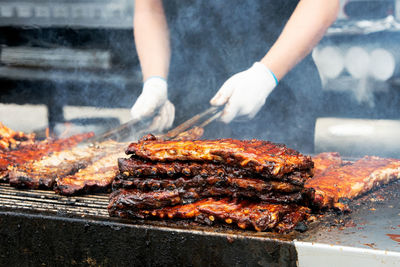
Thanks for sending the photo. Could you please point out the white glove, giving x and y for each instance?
(153, 101)
(245, 92)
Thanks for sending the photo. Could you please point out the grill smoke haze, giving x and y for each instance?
(208, 46)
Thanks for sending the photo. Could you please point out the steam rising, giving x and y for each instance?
(212, 40)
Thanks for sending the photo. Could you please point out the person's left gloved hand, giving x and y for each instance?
(245, 92)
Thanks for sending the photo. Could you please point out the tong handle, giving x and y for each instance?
(208, 114)
(122, 131)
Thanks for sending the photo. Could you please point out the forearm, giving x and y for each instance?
(151, 38)
(302, 32)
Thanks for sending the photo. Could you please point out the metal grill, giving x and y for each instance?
(49, 201)
(58, 229)
(42, 228)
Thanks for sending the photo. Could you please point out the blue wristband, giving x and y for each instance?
(156, 77)
(273, 75)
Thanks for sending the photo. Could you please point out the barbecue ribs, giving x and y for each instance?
(243, 213)
(97, 177)
(141, 168)
(326, 160)
(10, 139)
(136, 199)
(199, 181)
(252, 183)
(11, 159)
(262, 157)
(43, 173)
(350, 181)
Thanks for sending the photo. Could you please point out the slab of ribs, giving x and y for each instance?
(252, 184)
(10, 139)
(27, 154)
(59, 164)
(337, 182)
(42, 173)
(96, 177)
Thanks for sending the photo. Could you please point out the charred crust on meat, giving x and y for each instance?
(148, 137)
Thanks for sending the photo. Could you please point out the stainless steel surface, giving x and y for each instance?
(59, 13)
(358, 137)
(359, 27)
(86, 77)
(61, 58)
(374, 219)
(369, 236)
(317, 254)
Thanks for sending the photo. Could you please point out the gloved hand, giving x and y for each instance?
(245, 92)
(153, 101)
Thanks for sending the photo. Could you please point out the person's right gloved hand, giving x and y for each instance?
(245, 92)
(153, 101)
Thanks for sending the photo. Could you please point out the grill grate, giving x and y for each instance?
(49, 201)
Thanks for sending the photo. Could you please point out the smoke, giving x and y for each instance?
(366, 87)
(212, 40)
(369, 72)
(67, 67)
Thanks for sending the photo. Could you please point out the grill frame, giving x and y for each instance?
(40, 227)
(45, 228)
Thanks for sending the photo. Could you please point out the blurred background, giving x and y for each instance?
(73, 62)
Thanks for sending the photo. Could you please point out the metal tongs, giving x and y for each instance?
(199, 120)
(134, 129)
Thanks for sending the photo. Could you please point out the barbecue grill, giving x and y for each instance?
(41, 227)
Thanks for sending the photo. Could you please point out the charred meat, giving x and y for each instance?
(198, 181)
(43, 173)
(10, 139)
(136, 167)
(97, 177)
(265, 158)
(251, 184)
(350, 181)
(135, 199)
(30, 153)
(326, 160)
(245, 214)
